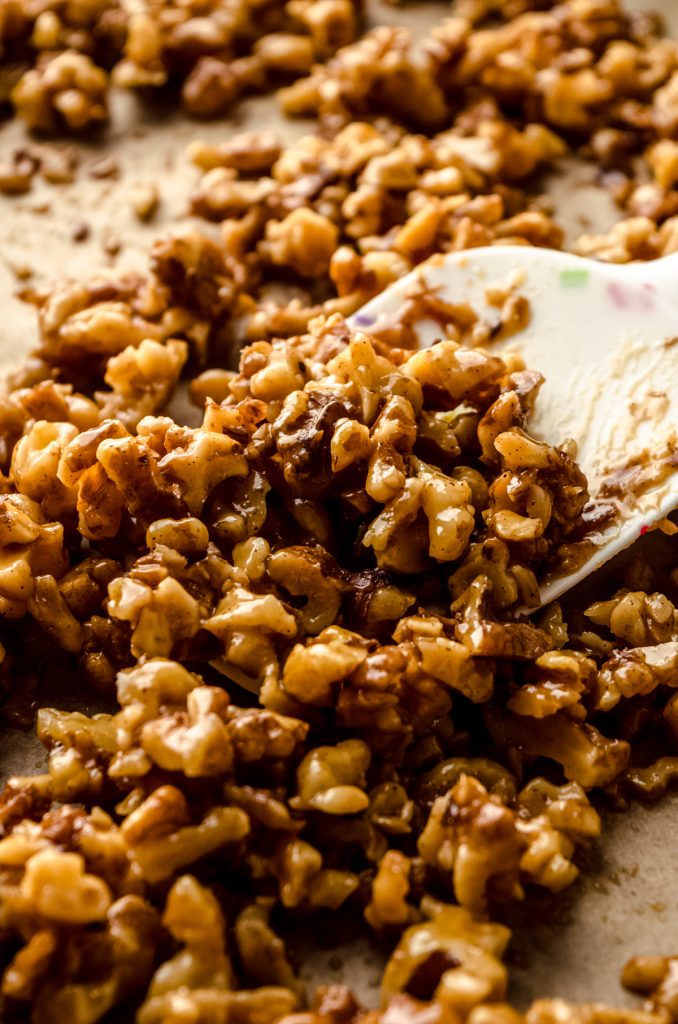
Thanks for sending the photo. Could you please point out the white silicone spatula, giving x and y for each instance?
(605, 337)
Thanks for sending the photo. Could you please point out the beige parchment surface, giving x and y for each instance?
(627, 902)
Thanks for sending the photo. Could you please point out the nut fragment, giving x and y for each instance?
(68, 91)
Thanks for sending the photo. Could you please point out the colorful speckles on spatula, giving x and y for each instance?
(574, 277)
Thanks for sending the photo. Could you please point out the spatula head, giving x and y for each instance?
(605, 337)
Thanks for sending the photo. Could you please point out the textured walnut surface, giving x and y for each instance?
(579, 955)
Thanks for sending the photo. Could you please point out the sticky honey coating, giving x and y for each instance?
(306, 600)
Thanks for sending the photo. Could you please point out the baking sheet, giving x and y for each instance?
(627, 902)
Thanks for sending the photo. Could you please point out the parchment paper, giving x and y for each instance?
(627, 902)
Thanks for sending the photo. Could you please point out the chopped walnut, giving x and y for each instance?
(470, 834)
(449, 957)
(66, 91)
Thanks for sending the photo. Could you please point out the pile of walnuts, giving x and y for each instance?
(304, 600)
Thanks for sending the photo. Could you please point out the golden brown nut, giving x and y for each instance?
(67, 91)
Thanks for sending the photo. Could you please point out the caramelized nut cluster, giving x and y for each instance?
(215, 50)
(219, 49)
(349, 534)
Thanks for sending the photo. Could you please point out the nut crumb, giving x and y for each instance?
(144, 200)
(104, 167)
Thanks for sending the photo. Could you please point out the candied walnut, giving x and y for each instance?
(145, 200)
(642, 620)
(652, 782)
(562, 677)
(312, 672)
(653, 977)
(169, 717)
(35, 461)
(258, 733)
(313, 574)
(188, 536)
(57, 884)
(19, 979)
(663, 160)
(388, 905)
(376, 71)
(142, 379)
(221, 195)
(392, 436)
(449, 662)
(285, 52)
(189, 464)
(96, 27)
(388, 688)
(332, 779)
(491, 558)
(303, 241)
(29, 547)
(489, 849)
(262, 807)
(302, 880)
(569, 99)
(105, 649)
(503, 415)
(159, 615)
(557, 1011)
(446, 505)
(454, 369)
(634, 238)
(350, 443)
(390, 694)
(449, 957)
(559, 819)
(79, 454)
(83, 739)
(470, 834)
(539, 484)
(193, 917)
(48, 607)
(483, 635)
(248, 626)
(142, 64)
(155, 683)
(197, 271)
(627, 673)
(396, 544)
(73, 329)
(196, 743)
(211, 384)
(265, 1005)
(197, 461)
(251, 555)
(566, 807)
(497, 780)
(125, 946)
(99, 504)
(587, 757)
(162, 840)
(247, 152)
(67, 91)
(262, 953)
(210, 89)
(331, 23)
